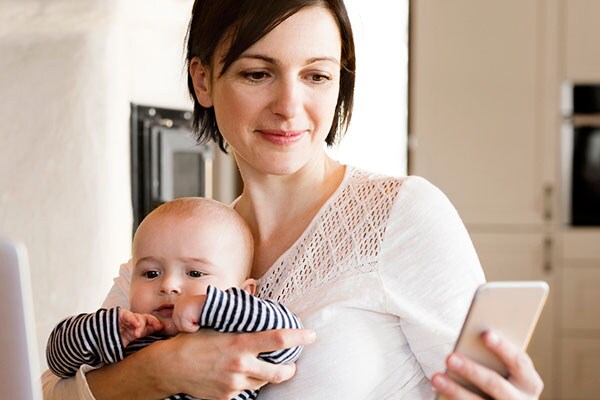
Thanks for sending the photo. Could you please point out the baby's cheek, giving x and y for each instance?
(140, 300)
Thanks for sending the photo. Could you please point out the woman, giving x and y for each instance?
(381, 268)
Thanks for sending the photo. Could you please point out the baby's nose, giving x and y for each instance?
(170, 285)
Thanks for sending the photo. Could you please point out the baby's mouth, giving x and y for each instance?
(165, 310)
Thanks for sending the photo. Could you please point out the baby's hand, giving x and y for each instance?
(133, 326)
(186, 314)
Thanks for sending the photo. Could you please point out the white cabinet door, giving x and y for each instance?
(580, 369)
(474, 116)
(582, 40)
(522, 256)
(580, 323)
(581, 298)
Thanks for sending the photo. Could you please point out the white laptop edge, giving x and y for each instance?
(19, 368)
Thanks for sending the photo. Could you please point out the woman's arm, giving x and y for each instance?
(439, 262)
(429, 271)
(206, 364)
(250, 314)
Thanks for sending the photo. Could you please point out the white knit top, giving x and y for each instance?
(384, 274)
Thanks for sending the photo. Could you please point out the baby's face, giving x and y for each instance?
(176, 256)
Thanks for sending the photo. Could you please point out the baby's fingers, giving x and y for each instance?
(152, 324)
(185, 324)
(128, 319)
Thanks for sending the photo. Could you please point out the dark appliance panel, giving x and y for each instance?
(166, 163)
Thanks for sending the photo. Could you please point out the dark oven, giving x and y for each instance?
(581, 152)
(166, 163)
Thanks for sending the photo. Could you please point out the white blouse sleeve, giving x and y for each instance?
(76, 388)
(429, 271)
(118, 296)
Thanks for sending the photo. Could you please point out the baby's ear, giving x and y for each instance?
(249, 285)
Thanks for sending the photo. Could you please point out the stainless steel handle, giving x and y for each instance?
(547, 255)
(548, 189)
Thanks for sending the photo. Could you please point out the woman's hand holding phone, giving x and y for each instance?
(489, 360)
(523, 381)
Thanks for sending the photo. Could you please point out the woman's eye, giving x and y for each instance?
(151, 274)
(195, 274)
(255, 76)
(319, 78)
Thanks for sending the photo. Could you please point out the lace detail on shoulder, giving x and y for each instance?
(343, 240)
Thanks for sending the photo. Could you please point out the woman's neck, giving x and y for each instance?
(279, 208)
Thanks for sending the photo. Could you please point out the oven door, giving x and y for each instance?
(166, 163)
(179, 167)
(585, 175)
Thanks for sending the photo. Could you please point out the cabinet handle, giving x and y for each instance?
(548, 202)
(548, 255)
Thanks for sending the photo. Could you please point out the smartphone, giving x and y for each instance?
(512, 309)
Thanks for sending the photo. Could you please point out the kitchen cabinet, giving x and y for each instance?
(581, 297)
(581, 358)
(582, 40)
(580, 315)
(476, 126)
(485, 127)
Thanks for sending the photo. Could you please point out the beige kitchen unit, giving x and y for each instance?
(580, 314)
(474, 107)
(582, 40)
(486, 126)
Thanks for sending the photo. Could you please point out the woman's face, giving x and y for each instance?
(276, 103)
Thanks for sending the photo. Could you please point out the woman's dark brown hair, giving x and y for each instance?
(244, 22)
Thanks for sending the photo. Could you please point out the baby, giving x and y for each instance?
(191, 262)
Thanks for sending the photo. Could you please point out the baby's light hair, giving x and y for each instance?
(189, 207)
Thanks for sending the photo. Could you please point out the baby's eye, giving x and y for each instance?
(151, 274)
(195, 274)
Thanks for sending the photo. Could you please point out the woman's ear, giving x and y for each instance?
(201, 78)
(249, 285)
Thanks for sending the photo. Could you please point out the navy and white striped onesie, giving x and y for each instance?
(94, 339)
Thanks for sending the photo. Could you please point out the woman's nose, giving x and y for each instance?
(287, 98)
(170, 285)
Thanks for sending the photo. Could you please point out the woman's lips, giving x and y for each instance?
(282, 137)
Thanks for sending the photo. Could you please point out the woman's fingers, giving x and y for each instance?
(255, 343)
(228, 363)
(261, 342)
(261, 372)
(487, 380)
(449, 389)
(521, 370)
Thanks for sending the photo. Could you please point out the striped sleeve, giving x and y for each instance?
(236, 310)
(91, 339)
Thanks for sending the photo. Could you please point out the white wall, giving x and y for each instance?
(68, 71)
(376, 139)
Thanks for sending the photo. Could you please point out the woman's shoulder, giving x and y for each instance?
(409, 186)
(404, 197)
